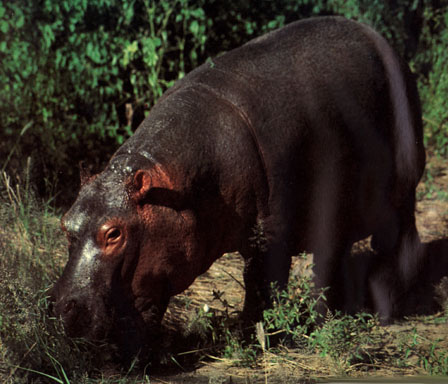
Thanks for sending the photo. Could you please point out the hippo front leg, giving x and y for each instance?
(137, 329)
(332, 275)
(267, 262)
(257, 288)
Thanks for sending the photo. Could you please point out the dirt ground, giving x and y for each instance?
(292, 366)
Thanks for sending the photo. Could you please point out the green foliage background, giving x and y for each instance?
(69, 67)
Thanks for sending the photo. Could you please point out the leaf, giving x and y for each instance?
(273, 24)
(20, 21)
(198, 13)
(157, 42)
(129, 13)
(4, 26)
(194, 27)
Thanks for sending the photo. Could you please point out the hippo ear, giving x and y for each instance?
(154, 186)
(148, 181)
(141, 184)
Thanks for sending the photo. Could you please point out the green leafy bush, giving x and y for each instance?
(430, 355)
(294, 313)
(77, 77)
(294, 317)
(432, 62)
(346, 338)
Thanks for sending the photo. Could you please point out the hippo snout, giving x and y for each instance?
(75, 315)
(68, 309)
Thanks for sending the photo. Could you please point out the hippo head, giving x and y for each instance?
(133, 243)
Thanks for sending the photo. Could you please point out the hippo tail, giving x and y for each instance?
(409, 154)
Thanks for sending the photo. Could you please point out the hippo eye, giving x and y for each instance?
(112, 236)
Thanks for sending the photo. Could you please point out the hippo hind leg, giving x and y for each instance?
(399, 253)
(257, 295)
(333, 274)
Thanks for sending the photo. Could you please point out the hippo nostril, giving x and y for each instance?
(69, 306)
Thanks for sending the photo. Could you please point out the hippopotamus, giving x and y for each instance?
(308, 138)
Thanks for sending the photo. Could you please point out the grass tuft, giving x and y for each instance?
(33, 346)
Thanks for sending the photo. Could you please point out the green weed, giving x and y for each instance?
(425, 353)
(294, 311)
(294, 316)
(346, 339)
(200, 323)
(220, 333)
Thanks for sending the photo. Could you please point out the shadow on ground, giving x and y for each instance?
(430, 292)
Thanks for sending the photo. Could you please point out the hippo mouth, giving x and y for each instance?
(99, 322)
(77, 321)
(81, 317)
